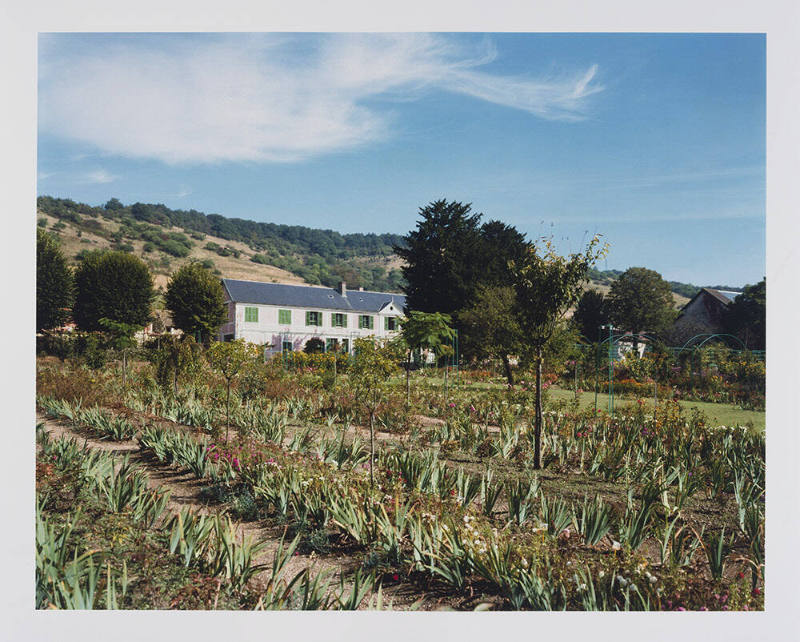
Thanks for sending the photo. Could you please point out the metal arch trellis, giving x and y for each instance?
(703, 339)
(614, 341)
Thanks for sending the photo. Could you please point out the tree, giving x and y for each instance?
(425, 331)
(591, 313)
(115, 286)
(491, 326)
(547, 285)
(746, 316)
(441, 257)
(121, 338)
(54, 283)
(314, 345)
(641, 301)
(174, 357)
(374, 365)
(229, 358)
(196, 300)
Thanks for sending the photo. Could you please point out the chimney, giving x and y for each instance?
(361, 288)
(343, 288)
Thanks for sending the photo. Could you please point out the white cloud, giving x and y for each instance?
(269, 98)
(100, 176)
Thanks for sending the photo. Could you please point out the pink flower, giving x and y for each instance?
(452, 405)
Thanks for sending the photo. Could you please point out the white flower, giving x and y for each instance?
(653, 579)
(633, 587)
(622, 581)
(601, 575)
(615, 545)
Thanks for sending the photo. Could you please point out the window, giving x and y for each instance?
(339, 320)
(345, 346)
(287, 346)
(285, 317)
(331, 345)
(251, 315)
(365, 322)
(390, 323)
(314, 318)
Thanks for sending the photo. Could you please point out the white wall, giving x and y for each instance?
(268, 330)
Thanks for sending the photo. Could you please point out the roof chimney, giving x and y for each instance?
(343, 288)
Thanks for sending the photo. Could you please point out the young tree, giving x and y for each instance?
(121, 338)
(491, 326)
(641, 301)
(746, 316)
(374, 365)
(547, 286)
(425, 331)
(115, 286)
(229, 358)
(174, 357)
(591, 313)
(54, 283)
(196, 300)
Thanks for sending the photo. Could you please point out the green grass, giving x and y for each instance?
(721, 414)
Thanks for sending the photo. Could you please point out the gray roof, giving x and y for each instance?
(308, 296)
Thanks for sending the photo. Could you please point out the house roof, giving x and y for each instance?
(723, 296)
(308, 296)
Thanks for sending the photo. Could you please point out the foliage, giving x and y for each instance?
(746, 316)
(641, 301)
(547, 286)
(491, 326)
(115, 286)
(229, 358)
(54, 283)
(591, 313)
(196, 301)
(449, 254)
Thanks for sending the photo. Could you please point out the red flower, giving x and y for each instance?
(395, 577)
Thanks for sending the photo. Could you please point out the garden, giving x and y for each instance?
(187, 477)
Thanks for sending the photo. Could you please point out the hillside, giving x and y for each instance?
(166, 239)
(238, 248)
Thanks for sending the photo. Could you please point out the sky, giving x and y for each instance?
(654, 141)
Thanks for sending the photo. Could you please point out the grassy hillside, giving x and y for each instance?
(237, 248)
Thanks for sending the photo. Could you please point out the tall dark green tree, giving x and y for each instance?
(590, 314)
(115, 286)
(442, 257)
(196, 300)
(746, 316)
(54, 283)
(641, 301)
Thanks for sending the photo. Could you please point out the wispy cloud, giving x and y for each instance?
(271, 98)
(99, 176)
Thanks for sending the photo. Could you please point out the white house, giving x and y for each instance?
(286, 317)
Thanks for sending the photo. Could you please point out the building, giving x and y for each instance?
(286, 317)
(702, 315)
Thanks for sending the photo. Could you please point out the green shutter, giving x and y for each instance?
(309, 318)
(251, 315)
(285, 317)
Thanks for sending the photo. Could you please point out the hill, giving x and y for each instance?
(237, 248)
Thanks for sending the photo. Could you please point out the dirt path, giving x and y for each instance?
(185, 491)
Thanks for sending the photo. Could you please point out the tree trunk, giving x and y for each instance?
(124, 369)
(371, 448)
(509, 373)
(175, 380)
(408, 380)
(227, 412)
(537, 429)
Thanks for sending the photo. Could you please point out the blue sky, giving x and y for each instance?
(655, 141)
